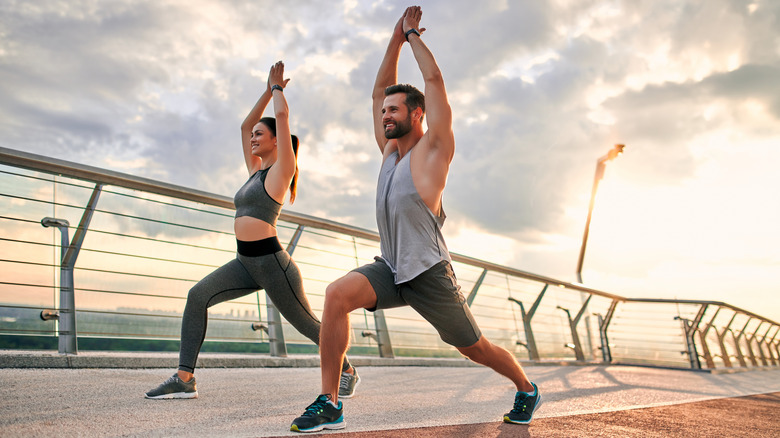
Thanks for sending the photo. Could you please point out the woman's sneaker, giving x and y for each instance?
(525, 406)
(322, 414)
(174, 387)
(348, 383)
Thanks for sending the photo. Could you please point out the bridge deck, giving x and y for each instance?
(400, 401)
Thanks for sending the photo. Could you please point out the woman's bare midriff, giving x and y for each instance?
(248, 229)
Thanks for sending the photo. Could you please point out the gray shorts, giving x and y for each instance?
(434, 294)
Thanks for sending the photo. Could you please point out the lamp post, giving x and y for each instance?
(600, 165)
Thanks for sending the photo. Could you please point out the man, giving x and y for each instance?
(415, 267)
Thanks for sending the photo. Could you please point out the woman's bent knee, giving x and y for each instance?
(198, 296)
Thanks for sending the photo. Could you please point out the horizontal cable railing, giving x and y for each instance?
(135, 247)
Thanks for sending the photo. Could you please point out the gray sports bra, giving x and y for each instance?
(252, 200)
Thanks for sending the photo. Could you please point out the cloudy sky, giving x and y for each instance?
(539, 90)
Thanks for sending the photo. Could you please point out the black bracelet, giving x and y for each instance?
(412, 30)
(277, 87)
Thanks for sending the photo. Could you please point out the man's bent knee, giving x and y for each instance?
(350, 292)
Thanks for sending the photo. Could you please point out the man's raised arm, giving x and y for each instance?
(387, 76)
(437, 107)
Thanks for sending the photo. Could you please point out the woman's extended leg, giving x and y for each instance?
(228, 282)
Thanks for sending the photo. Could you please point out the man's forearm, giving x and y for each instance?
(425, 60)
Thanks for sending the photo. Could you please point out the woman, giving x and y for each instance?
(270, 152)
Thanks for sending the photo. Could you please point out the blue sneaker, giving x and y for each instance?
(525, 406)
(322, 414)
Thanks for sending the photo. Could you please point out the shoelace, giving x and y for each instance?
(344, 379)
(520, 407)
(315, 408)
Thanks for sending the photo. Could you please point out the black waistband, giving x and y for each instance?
(257, 248)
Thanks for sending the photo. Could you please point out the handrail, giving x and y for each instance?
(94, 174)
(106, 177)
(705, 302)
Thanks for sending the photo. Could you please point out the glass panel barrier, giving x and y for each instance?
(148, 243)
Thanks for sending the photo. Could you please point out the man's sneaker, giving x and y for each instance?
(524, 408)
(348, 383)
(322, 414)
(174, 387)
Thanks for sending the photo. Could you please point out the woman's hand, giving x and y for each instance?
(276, 76)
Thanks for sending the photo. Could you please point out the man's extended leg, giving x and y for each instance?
(527, 398)
(500, 360)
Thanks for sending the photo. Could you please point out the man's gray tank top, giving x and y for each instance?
(411, 239)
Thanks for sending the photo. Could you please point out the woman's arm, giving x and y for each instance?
(254, 116)
(282, 172)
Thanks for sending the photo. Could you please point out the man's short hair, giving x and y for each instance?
(414, 97)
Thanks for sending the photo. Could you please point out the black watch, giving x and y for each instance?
(277, 87)
(412, 30)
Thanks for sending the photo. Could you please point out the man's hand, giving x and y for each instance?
(399, 33)
(411, 19)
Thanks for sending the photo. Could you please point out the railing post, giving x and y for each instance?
(689, 329)
(769, 343)
(693, 355)
(69, 250)
(724, 353)
(577, 321)
(749, 342)
(737, 350)
(474, 289)
(66, 332)
(740, 356)
(777, 347)
(761, 349)
(530, 342)
(575, 338)
(703, 336)
(276, 342)
(382, 335)
(606, 352)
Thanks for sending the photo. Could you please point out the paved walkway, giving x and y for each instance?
(753, 416)
(454, 401)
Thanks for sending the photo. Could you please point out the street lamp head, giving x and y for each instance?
(617, 150)
(52, 222)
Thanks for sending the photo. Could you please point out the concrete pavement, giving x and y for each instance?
(263, 401)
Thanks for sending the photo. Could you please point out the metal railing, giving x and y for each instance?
(140, 244)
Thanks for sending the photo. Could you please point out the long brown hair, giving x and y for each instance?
(270, 122)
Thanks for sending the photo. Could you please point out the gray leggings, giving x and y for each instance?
(276, 273)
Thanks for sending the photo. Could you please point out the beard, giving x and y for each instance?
(400, 129)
